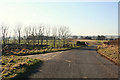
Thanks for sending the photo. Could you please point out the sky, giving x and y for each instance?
(83, 18)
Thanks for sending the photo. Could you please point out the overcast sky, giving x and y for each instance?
(83, 18)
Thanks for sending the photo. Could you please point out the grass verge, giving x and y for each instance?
(35, 51)
(13, 66)
(110, 52)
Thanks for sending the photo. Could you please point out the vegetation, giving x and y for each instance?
(78, 43)
(31, 52)
(110, 51)
(94, 42)
(33, 39)
(13, 66)
(35, 35)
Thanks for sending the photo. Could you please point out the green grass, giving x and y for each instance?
(50, 42)
(12, 66)
(58, 44)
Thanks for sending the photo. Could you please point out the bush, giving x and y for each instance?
(66, 45)
(78, 43)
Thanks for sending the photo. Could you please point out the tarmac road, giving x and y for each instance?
(76, 63)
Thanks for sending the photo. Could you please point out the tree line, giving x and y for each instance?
(34, 33)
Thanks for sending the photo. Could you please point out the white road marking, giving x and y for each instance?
(69, 65)
(85, 77)
(67, 61)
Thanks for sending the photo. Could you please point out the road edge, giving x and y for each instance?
(116, 63)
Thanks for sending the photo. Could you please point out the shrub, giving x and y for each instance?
(66, 45)
(78, 43)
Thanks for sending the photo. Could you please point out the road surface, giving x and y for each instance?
(76, 63)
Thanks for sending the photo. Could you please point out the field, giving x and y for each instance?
(50, 42)
(94, 42)
(110, 51)
(12, 47)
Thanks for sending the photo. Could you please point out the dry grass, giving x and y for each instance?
(14, 65)
(93, 42)
(109, 51)
(36, 51)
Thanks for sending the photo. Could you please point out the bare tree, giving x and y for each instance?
(40, 34)
(65, 33)
(33, 35)
(14, 39)
(0, 41)
(27, 33)
(47, 34)
(54, 34)
(0, 35)
(18, 32)
(4, 33)
(8, 38)
(59, 37)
